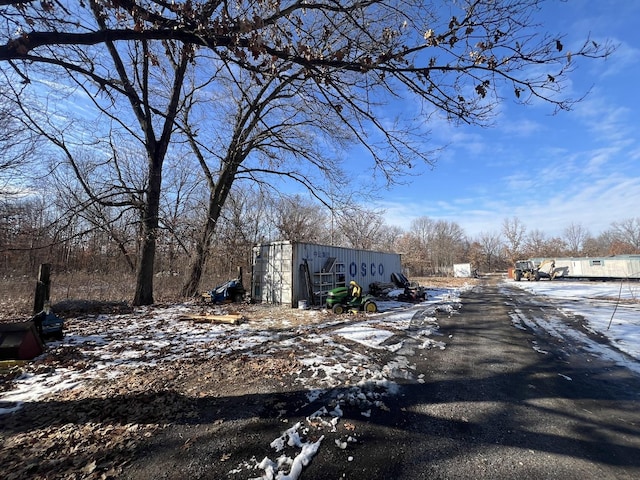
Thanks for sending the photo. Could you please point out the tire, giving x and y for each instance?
(338, 309)
(517, 275)
(370, 307)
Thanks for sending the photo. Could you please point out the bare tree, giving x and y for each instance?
(25, 234)
(491, 247)
(389, 236)
(414, 260)
(362, 227)
(152, 95)
(180, 213)
(18, 146)
(534, 243)
(627, 232)
(244, 222)
(575, 236)
(555, 247)
(455, 60)
(514, 233)
(448, 245)
(415, 246)
(600, 245)
(301, 220)
(266, 131)
(433, 246)
(537, 245)
(422, 229)
(406, 41)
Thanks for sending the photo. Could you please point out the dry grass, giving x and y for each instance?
(16, 300)
(444, 281)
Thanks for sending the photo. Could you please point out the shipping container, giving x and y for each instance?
(286, 273)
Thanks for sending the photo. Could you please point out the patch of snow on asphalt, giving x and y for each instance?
(597, 303)
(276, 470)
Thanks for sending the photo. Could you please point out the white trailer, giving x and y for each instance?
(598, 268)
(286, 273)
(462, 270)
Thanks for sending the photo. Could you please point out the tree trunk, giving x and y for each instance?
(144, 275)
(217, 199)
(198, 261)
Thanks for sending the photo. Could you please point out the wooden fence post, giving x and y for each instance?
(43, 287)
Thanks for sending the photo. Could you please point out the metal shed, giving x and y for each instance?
(286, 272)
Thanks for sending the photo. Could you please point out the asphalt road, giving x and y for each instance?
(499, 402)
(495, 407)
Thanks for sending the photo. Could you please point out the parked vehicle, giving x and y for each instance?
(529, 270)
(525, 269)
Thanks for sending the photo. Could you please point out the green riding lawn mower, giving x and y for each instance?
(343, 299)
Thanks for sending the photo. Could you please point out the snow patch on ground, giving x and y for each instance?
(610, 309)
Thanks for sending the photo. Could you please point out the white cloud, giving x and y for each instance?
(593, 201)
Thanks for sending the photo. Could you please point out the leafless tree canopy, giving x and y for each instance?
(249, 89)
(628, 232)
(434, 52)
(17, 147)
(514, 233)
(576, 236)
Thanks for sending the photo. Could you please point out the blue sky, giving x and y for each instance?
(580, 167)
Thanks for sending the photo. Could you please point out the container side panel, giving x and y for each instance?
(271, 281)
(363, 266)
(634, 265)
(279, 277)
